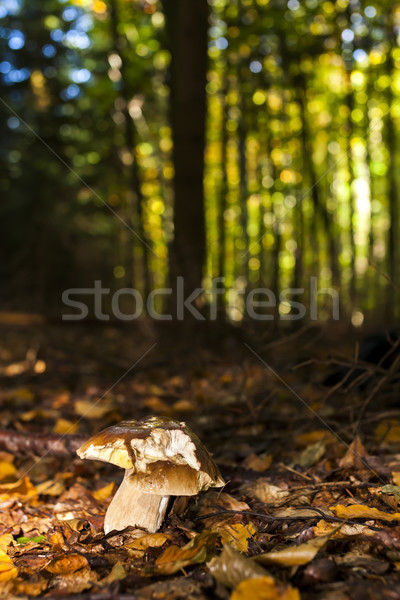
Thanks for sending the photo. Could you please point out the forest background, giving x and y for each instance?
(252, 140)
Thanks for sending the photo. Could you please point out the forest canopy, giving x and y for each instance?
(301, 151)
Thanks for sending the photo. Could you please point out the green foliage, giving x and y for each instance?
(301, 160)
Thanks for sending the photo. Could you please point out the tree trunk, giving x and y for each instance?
(187, 24)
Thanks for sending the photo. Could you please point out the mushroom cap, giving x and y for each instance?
(162, 456)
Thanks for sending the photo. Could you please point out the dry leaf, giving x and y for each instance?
(311, 454)
(343, 531)
(104, 492)
(22, 487)
(264, 588)
(258, 463)
(117, 572)
(54, 487)
(359, 511)
(153, 540)
(264, 491)
(294, 555)
(231, 567)
(196, 551)
(237, 535)
(7, 469)
(93, 409)
(64, 426)
(7, 569)
(355, 457)
(66, 564)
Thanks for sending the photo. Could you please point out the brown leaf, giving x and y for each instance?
(232, 567)
(355, 457)
(196, 551)
(65, 564)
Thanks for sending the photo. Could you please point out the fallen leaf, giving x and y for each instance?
(311, 454)
(7, 569)
(30, 588)
(7, 469)
(266, 492)
(75, 583)
(104, 492)
(93, 409)
(64, 426)
(5, 540)
(53, 487)
(197, 551)
(355, 457)
(66, 564)
(294, 555)
(25, 540)
(343, 531)
(264, 588)
(359, 511)
(258, 463)
(22, 487)
(153, 540)
(391, 489)
(117, 573)
(231, 567)
(237, 535)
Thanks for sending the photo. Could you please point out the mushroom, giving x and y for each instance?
(162, 457)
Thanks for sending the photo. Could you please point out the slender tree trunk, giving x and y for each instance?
(187, 24)
(136, 212)
(392, 184)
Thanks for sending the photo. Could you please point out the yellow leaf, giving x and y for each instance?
(104, 492)
(396, 477)
(5, 540)
(6, 469)
(63, 426)
(153, 540)
(93, 409)
(343, 531)
(22, 487)
(7, 569)
(264, 588)
(294, 555)
(65, 564)
(198, 550)
(359, 511)
(237, 535)
(50, 488)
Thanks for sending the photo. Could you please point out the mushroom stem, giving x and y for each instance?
(132, 507)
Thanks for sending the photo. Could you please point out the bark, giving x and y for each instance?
(187, 24)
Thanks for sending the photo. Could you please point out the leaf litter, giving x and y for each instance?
(305, 513)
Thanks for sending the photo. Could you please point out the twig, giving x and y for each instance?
(36, 444)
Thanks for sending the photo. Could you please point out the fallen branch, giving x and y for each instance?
(40, 444)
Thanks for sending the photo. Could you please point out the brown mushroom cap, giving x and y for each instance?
(163, 456)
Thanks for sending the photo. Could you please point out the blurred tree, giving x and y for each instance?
(187, 24)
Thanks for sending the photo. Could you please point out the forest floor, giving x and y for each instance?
(310, 508)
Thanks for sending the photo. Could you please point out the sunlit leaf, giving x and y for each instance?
(264, 588)
(198, 550)
(359, 511)
(237, 535)
(68, 563)
(294, 555)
